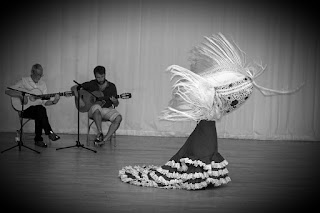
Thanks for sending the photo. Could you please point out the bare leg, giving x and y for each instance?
(113, 127)
(96, 116)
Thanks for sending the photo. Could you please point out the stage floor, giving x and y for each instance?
(267, 176)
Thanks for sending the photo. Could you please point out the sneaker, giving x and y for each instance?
(99, 138)
(40, 143)
(53, 136)
(98, 143)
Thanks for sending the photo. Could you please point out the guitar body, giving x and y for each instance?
(36, 99)
(17, 104)
(88, 99)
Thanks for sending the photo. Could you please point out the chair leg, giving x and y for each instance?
(88, 132)
(24, 122)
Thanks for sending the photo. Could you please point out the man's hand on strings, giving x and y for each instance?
(113, 99)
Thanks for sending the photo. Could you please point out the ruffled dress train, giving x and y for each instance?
(197, 164)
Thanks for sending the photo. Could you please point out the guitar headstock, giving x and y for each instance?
(125, 95)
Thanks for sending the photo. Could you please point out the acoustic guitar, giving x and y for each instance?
(91, 99)
(35, 99)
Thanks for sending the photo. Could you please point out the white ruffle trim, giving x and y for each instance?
(177, 180)
(184, 167)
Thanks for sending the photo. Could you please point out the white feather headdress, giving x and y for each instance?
(194, 95)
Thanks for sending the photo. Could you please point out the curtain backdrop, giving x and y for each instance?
(137, 40)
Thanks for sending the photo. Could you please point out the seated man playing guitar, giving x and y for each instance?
(103, 107)
(37, 111)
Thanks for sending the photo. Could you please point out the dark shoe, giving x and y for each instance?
(40, 143)
(53, 136)
(99, 138)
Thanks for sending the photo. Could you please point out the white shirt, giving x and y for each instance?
(26, 84)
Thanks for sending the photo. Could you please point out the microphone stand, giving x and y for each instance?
(78, 144)
(20, 143)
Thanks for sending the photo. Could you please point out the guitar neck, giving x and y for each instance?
(123, 96)
(53, 94)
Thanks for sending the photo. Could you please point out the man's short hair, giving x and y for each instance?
(36, 68)
(100, 70)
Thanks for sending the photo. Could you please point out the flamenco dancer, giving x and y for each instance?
(224, 82)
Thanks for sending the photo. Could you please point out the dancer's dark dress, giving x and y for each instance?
(196, 165)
